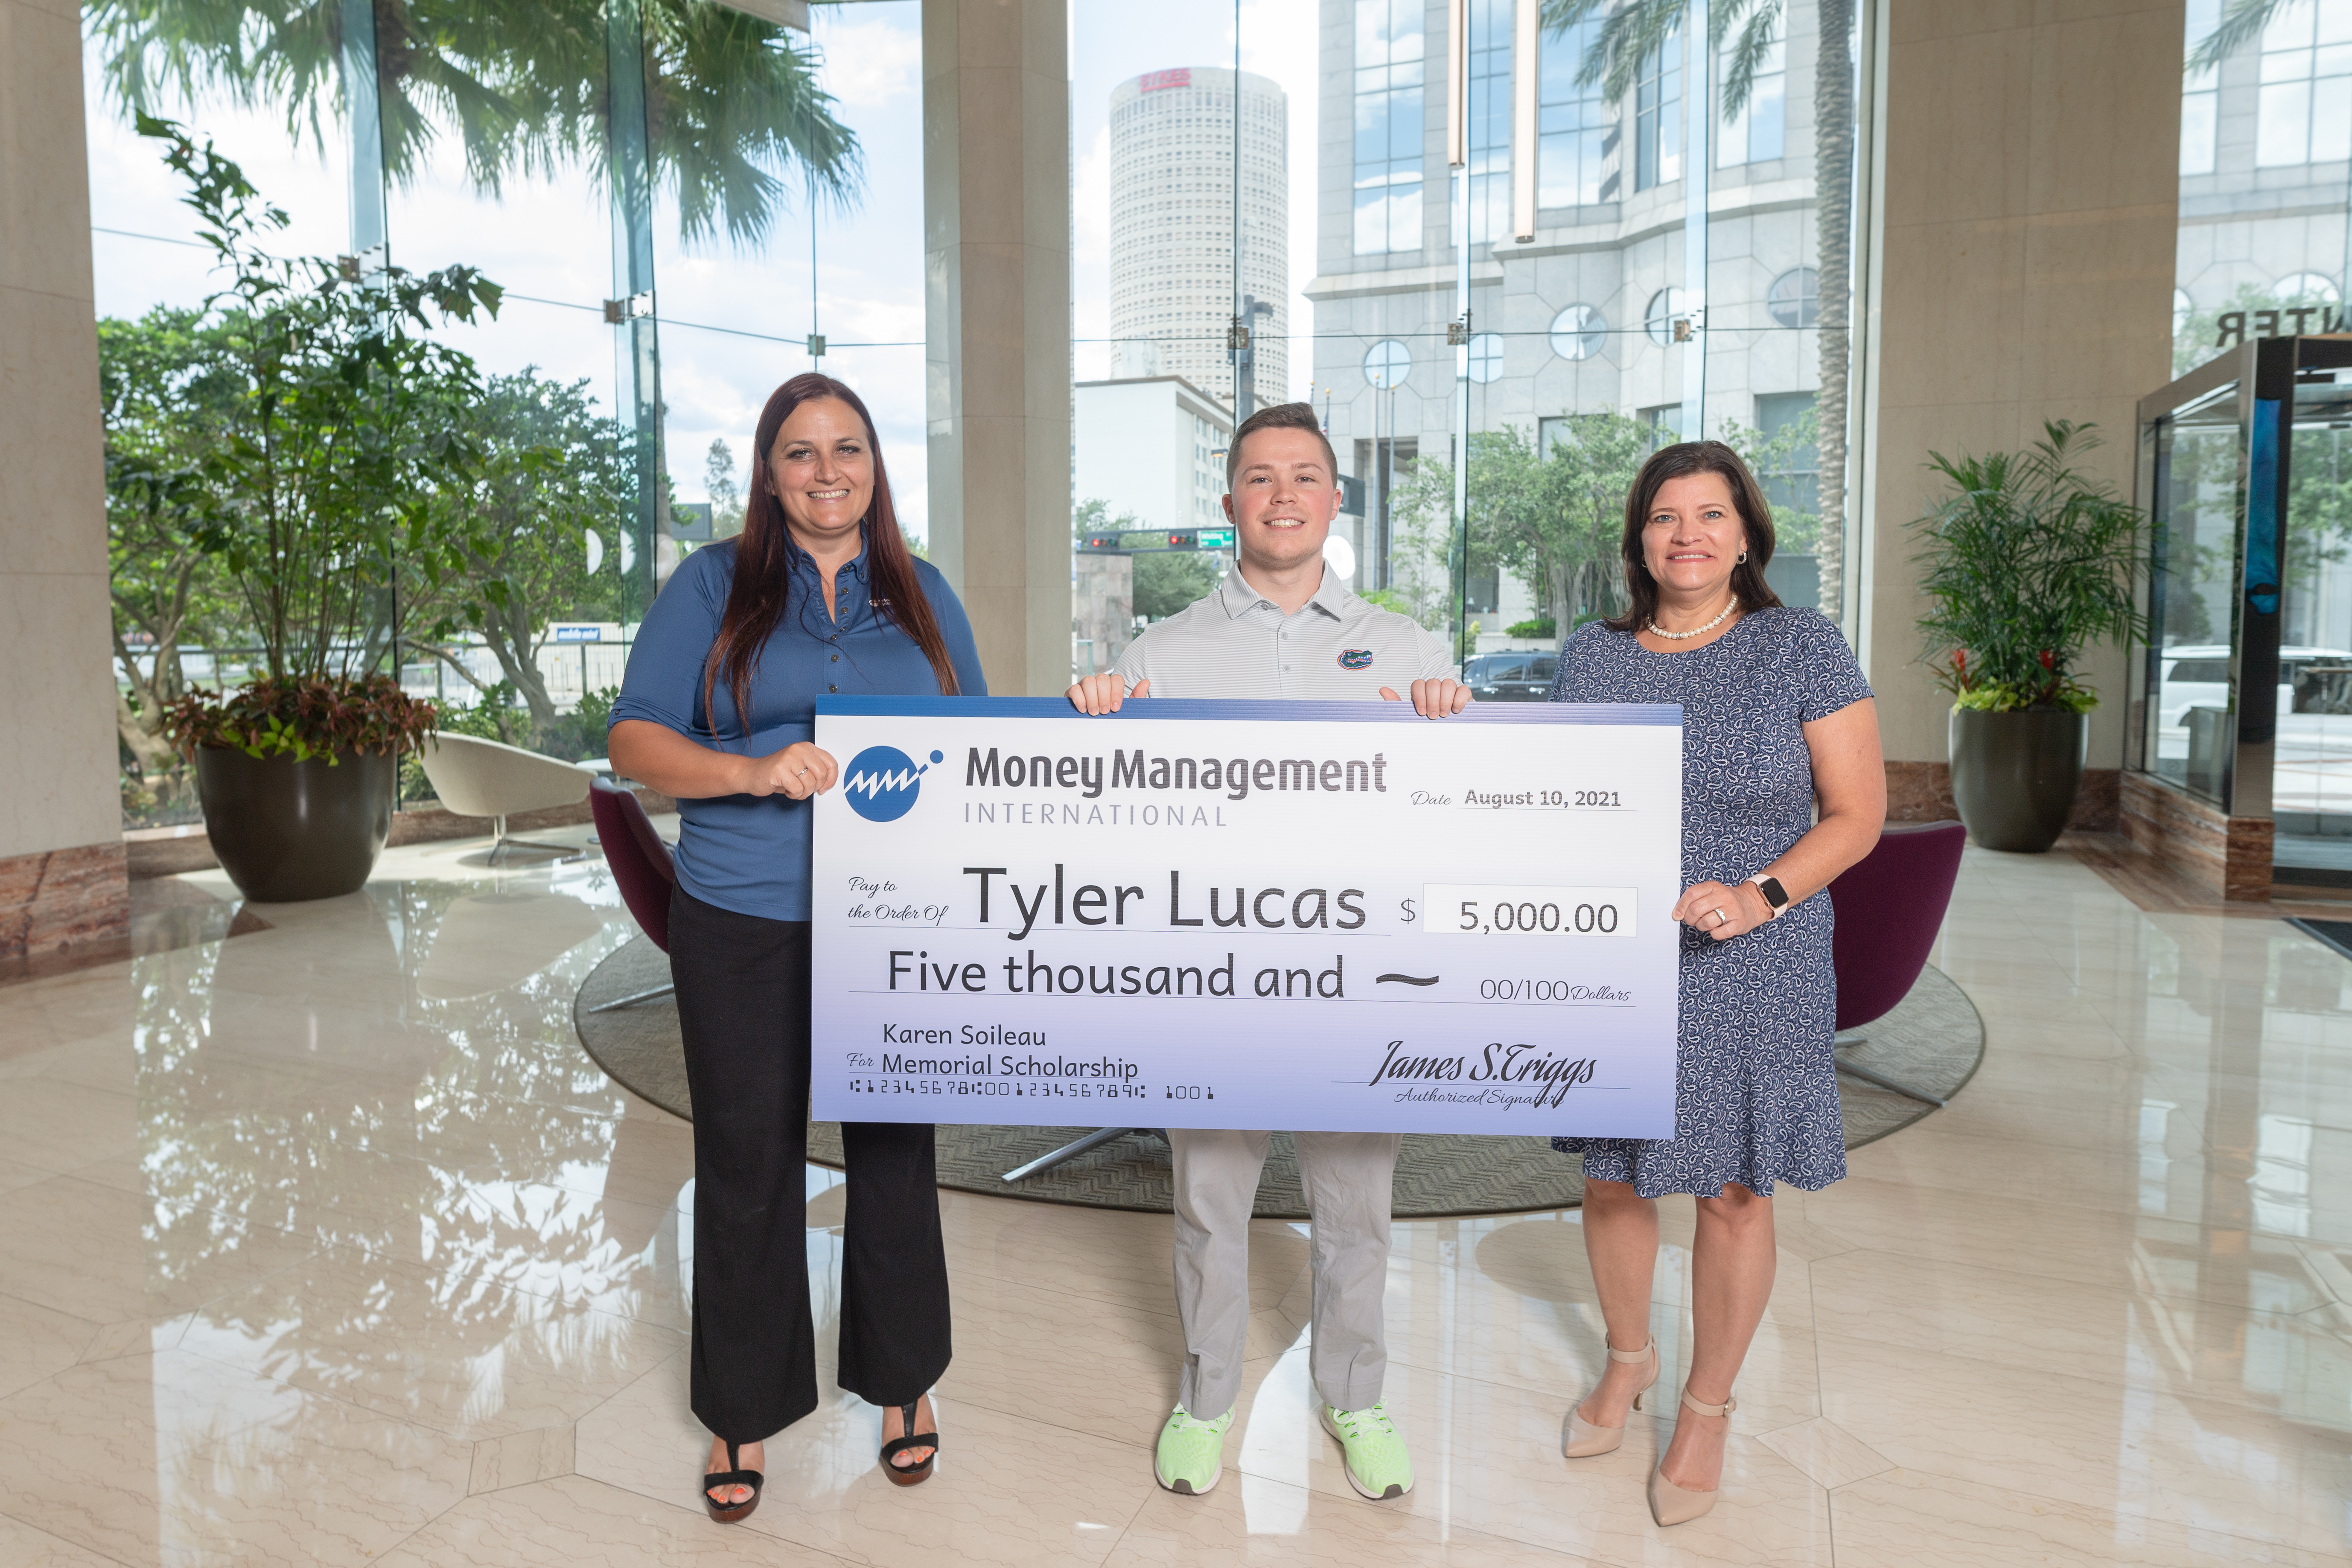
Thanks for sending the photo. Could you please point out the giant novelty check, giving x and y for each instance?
(1317, 916)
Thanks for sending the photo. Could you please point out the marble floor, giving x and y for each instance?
(322, 1242)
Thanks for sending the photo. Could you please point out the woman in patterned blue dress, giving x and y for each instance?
(1776, 717)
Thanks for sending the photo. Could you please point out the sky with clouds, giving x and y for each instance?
(733, 322)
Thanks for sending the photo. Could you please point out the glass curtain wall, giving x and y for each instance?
(683, 203)
(2266, 171)
(2247, 692)
(819, 268)
(1584, 337)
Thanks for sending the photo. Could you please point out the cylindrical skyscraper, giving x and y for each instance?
(1173, 293)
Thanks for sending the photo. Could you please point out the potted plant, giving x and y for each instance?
(342, 420)
(296, 777)
(2025, 563)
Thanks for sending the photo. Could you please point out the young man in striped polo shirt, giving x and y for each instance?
(1282, 625)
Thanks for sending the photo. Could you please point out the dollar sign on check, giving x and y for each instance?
(1406, 905)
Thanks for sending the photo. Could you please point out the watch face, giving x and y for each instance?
(1774, 894)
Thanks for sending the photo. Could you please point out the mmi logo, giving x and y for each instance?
(883, 782)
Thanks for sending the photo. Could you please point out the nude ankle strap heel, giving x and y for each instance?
(1583, 1439)
(1670, 1504)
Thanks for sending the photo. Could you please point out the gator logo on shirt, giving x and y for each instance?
(1356, 658)
(883, 782)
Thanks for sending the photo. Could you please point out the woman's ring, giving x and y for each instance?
(1719, 917)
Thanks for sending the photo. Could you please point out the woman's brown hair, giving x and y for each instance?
(1681, 461)
(763, 571)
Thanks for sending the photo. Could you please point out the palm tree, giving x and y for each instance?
(731, 103)
(1630, 30)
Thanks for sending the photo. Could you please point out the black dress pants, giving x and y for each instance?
(743, 1008)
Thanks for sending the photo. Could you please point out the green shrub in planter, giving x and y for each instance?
(340, 423)
(2027, 562)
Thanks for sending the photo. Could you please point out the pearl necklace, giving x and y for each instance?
(1657, 630)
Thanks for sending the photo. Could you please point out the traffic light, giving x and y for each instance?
(1154, 541)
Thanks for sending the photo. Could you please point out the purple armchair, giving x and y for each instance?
(1890, 905)
(641, 864)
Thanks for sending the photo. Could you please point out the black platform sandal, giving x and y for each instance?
(731, 1513)
(911, 1475)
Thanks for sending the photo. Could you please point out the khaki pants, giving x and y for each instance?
(1347, 1176)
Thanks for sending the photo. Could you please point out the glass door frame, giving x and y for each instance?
(2265, 370)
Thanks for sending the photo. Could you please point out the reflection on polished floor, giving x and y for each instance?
(324, 1243)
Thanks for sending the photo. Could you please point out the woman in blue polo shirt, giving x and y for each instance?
(818, 594)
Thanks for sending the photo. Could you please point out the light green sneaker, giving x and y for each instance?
(1378, 1467)
(1192, 1452)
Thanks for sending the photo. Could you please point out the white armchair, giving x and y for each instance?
(475, 777)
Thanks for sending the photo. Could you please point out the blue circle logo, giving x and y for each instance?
(883, 782)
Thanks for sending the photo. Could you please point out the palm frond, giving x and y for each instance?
(1630, 30)
(738, 119)
(2242, 23)
(1756, 39)
(1557, 16)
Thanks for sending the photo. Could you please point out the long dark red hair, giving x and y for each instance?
(756, 603)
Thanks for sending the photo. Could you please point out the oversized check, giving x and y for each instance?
(1317, 916)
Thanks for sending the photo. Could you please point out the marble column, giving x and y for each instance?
(61, 861)
(996, 224)
(2028, 180)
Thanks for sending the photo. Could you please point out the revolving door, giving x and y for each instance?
(2243, 703)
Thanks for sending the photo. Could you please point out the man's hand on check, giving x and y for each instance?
(1431, 698)
(1103, 693)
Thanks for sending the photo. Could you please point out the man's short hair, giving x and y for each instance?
(1279, 416)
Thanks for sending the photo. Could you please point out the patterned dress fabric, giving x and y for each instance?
(1756, 1095)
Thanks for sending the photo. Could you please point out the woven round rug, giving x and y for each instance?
(1933, 1041)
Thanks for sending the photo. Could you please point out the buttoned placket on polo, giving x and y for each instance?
(842, 609)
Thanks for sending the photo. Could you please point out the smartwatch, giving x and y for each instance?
(1774, 894)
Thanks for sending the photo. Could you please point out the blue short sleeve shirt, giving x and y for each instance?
(751, 853)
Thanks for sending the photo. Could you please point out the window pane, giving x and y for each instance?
(1756, 132)
(1577, 157)
(1404, 133)
(1372, 231)
(1386, 80)
(2189, 730)
(1767, 127)
(1372, 111)
(2289, 25)
(2287, 65)
(1490, 119)
(2331, 121)
(2282, 133)
(1657, 96)
(2196, 132)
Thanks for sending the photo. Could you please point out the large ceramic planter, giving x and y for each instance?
(2014, 775)
(286, 831)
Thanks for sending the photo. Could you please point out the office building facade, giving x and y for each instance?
(1582, 318)
(1172, 211)
(1150, 448)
